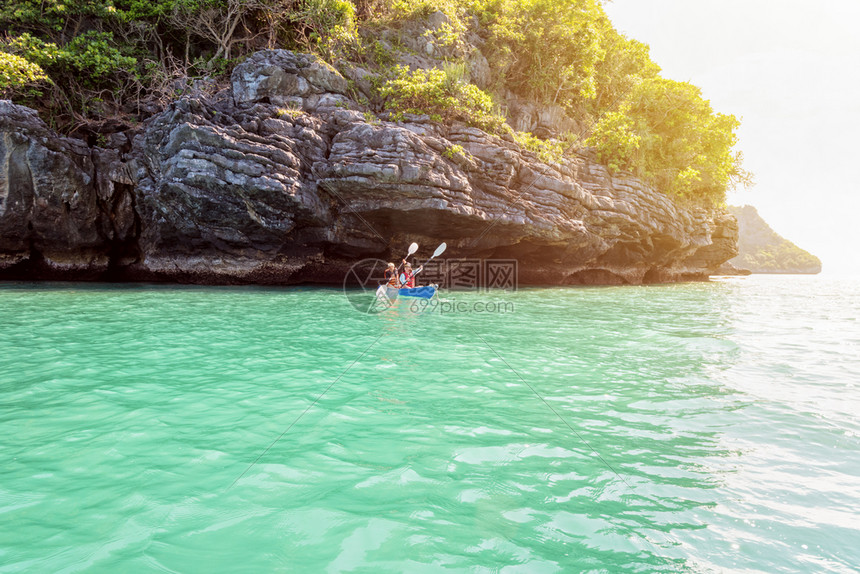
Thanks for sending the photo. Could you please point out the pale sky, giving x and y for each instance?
(791, 71)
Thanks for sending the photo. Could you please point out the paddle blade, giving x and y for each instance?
(440, 250)
(413, 248)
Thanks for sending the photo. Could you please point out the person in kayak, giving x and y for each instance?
(391, 278)
(408, 276)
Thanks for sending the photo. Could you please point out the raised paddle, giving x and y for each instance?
(439, 251)
(412, 249)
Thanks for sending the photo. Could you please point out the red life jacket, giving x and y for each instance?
(410, 279)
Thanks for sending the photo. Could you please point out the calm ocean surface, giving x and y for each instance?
(705, 427)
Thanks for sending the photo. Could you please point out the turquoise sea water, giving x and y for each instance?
(707, 427)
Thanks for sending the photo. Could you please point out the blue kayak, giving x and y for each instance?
(426, 292)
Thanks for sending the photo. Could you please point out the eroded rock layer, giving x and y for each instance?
(285, 179)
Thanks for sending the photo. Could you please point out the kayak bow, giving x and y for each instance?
(425, 292)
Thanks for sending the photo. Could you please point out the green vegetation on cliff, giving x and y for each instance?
(436, 93)
(665, 132)
(19, 73)
(91, 66)
(762, 250)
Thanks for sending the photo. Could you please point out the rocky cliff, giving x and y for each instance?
(283, 178)
(762, 250)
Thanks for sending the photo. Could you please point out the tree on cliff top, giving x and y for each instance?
(667, 134)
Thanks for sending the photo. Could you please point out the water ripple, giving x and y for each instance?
(715, 428)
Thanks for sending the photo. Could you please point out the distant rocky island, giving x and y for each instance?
(762, 250)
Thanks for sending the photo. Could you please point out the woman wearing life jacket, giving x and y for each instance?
(408, 276)
(391, 278)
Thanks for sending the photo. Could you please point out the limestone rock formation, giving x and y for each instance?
(283, 178)
(61, 204)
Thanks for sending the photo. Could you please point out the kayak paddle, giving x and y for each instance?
(439, 251)
(412, 249)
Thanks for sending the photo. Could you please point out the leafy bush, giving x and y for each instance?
(618, 145)
(325, 24)
(38, 14)
(435, 93)
(414, 9)
(44, 54)
(16, 73)
(93, 53)
(551, 151)
(96, 54)
(453, 151)
(288, 113)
